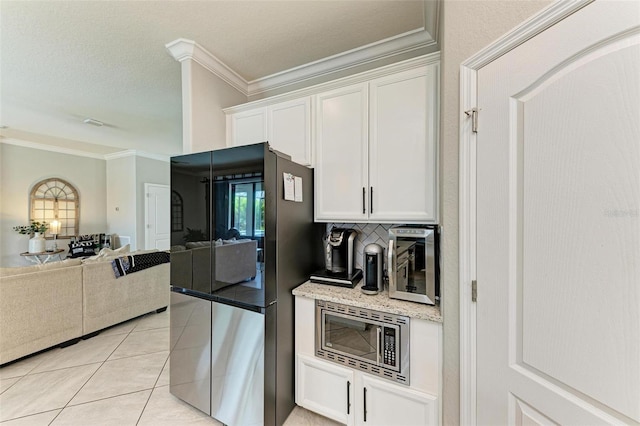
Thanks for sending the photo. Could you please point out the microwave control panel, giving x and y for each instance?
(389, 348)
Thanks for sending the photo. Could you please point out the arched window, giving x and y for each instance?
(176, 212)
(56, 199)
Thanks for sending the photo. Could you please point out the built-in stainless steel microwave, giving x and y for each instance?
(413, 264)
(376, 342)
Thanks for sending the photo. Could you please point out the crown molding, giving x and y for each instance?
(136, 153)
(548, 17)
(407, 64)
(425, 37)
(183, 49)
(390, 47)
(51, 148)
(79, 153)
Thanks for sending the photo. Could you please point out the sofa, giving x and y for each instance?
(57, 303)
(235, 262)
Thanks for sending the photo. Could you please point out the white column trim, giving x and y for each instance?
(187, 107)
(467, 187)
(183, 49)
(467, 255)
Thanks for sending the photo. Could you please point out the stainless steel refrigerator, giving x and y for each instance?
(242, 236)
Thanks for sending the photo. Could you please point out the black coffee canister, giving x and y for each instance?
(373, 269)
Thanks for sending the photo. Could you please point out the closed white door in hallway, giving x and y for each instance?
(157, 216)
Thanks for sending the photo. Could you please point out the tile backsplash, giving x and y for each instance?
(367, 233)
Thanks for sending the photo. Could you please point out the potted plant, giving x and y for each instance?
(37, 244)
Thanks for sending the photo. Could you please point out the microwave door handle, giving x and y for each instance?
(378, 355)
(391, 264)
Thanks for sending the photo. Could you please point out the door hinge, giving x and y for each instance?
(474, 291)
(473, 113)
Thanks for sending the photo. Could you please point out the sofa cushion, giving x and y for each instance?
(107, 252)
(144, 251)
(197, 244)
(236, 241)
(9, 272)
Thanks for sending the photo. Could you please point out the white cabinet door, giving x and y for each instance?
(386, 404)
(247, 127)
(289, 130)
(402, 142)
(341, 154)
(325, 389)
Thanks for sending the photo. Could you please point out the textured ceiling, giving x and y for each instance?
(63, 61)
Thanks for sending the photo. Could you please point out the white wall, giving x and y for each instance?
(203, 96)
(126, 176)
(121, 197)
(21, 168)
(467, 27)
(147, 171)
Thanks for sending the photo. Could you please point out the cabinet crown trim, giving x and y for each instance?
(425, 60)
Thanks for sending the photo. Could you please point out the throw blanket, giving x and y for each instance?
(129, 264)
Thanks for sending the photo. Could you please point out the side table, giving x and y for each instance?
(43, 257)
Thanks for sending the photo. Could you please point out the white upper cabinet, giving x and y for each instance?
(285, 125)
(402, 146)
(247, 127)
(372, 139)
(341, 149)
(376, 150)
(289, 129)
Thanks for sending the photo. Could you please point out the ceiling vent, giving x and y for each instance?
(93, 122)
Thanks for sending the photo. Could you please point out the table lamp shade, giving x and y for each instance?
(54, 227)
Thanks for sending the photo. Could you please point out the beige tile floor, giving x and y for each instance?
(119, 377)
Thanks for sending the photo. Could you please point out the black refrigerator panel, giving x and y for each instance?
(191, 222)
(238, 224)
(293, 245)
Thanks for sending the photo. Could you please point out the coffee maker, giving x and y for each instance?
(339, 250)
(339, 259)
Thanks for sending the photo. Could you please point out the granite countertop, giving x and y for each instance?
(379, 302)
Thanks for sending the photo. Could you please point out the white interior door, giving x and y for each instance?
(157, 216)
(558, 224)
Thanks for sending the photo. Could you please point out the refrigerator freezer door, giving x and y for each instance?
(237, 365)
(190, 360)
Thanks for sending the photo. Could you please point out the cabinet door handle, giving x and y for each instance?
(348, 397)
(365, 404)
(364, 194)
(371, 201)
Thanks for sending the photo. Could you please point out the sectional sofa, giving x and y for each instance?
(56, 303)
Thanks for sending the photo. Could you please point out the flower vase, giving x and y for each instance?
(37, 244)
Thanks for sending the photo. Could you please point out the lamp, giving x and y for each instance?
(54, 228)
